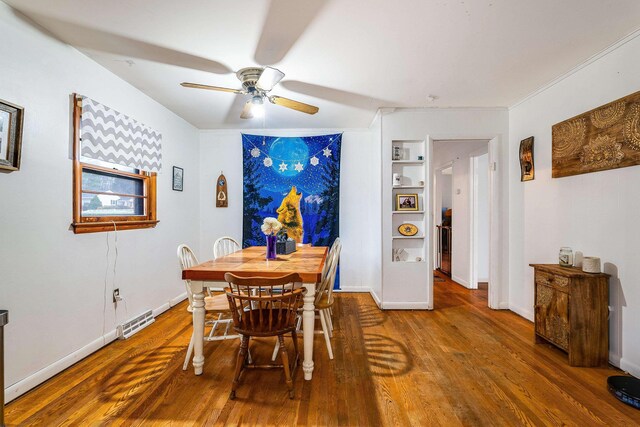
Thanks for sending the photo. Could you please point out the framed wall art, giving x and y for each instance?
(406, 202)
(527, 170)
(11, 119)
(607, 137)
(178, 178)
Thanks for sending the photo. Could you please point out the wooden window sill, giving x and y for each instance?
(102, 226)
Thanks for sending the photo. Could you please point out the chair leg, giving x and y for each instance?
(296, 356)
(327, 316)
(325, 332)
(188, 356)
(285, 364)
(242, 355)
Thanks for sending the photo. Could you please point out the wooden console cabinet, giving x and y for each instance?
(571, 312)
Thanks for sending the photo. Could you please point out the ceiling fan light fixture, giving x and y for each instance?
(257, 106)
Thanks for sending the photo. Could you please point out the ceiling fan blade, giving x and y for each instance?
(246, 111)
(286, 22)
(220, 89)
(269, 78)
(294, 105)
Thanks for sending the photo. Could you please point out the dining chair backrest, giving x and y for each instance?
(224, 246)
(264, 306)
(335, 249)
(187, 260)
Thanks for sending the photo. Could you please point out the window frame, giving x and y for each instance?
(94, 224)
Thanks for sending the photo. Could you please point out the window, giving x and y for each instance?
(107, 193)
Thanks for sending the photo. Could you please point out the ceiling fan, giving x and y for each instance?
(257, 82)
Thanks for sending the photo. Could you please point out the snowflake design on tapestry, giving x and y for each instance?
(295, 179)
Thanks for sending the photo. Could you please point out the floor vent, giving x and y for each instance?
(136, 324)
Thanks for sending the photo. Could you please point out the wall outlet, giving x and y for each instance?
(116, 295)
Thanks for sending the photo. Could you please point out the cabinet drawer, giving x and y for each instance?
(560, 283)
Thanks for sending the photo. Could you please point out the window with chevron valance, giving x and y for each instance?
(115, 161)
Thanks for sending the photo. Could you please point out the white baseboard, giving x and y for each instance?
(629, 367)
(18, 389)
(526, 313)
(375, 298)
(460, 281)
(503, 306)
(409, 305)
(37, 378)
(353, 289)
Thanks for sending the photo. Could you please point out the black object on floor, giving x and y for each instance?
(626, 389)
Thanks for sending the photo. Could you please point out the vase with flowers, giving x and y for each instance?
(270, 227)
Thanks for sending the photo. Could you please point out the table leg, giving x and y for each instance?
(198, 327)
(308, 326)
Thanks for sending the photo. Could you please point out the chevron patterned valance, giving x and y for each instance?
(112, 137)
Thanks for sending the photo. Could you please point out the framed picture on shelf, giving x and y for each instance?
(406, 202)
(178, 178)
(10, 135)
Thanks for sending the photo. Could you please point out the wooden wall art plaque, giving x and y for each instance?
(604, 138)
(221, 192)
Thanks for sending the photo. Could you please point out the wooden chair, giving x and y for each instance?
(265, 307)
(218, 305)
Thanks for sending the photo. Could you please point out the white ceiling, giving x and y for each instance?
(348, 57)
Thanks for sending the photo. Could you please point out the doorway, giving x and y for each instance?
(461, 213)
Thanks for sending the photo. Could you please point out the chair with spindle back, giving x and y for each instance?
(265, 307)
(212, 304)
(224, 246)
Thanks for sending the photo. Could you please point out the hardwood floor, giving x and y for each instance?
(461, 364)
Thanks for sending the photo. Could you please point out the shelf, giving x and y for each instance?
(407, 212)
(407, 237)
(412, 261)
(400, 187)
(407, 162)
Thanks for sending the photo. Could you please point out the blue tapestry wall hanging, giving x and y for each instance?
(294, 179)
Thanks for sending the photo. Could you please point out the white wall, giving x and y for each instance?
(439, 124)
(221, 150)
(459, 153)
(595, 213)
(53, 281)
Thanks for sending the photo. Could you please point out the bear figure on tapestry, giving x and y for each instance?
(294, 179)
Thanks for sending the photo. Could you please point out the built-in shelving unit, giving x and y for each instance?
(406, 260)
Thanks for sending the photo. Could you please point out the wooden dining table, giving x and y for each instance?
(307, 261)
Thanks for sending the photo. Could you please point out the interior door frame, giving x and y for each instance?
(495, 231)
(473, 215)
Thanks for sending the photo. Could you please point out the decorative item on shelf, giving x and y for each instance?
(420, 157)
(397, 152)
(400, 255)
(11, 118)
(527, 170)
(591, 264)
(270, 227)
(178, 179)
(221, 192)
(577, 259)
(406, 202)
(397, 179)
(284, 245)
(407, 229)
(565, 257)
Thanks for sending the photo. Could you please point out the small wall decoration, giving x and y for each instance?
(406, 202)
(11, 118)
(527, 170)
(408, 229)
(607, 137)
(221, 192)
(178, 178)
